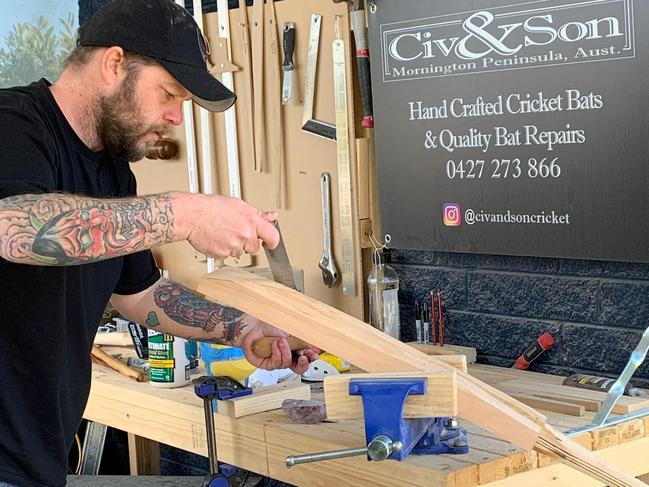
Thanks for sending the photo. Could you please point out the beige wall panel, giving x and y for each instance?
(306, 157)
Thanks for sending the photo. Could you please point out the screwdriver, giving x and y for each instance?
(420, 337)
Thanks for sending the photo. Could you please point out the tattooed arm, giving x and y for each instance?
(171, 308)
(62, 229)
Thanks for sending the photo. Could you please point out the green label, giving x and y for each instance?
(161, 357)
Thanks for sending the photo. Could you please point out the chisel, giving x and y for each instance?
(288, 42)
(282, 271)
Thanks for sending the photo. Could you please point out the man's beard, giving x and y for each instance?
(118, 127)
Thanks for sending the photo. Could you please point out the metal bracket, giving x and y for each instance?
(617, 389)
(93, 448)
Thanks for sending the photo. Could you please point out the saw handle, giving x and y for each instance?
(261, 348)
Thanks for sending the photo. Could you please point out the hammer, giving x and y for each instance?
(357, 16)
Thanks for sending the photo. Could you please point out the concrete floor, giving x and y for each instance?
(132, 481)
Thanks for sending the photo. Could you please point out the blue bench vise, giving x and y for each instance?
(388, 434)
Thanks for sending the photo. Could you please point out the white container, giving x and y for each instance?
(171, 360)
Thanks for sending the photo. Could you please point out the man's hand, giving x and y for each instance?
(221, 226)
(281, 355)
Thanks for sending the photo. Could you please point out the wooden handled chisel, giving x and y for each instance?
(282, 272)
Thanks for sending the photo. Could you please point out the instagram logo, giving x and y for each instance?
(452, 215)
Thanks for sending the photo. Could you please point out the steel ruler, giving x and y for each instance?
(309, 123)
(344, 164)
(311, 67)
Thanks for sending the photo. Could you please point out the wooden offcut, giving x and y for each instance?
(439, 400)
(374, 351)
(102, 357)
(470, 353)
(624, 405)
(263, 399)
(550, 404)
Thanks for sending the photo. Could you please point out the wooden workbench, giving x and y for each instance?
(262, 442)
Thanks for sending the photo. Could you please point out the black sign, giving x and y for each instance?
(517, 128)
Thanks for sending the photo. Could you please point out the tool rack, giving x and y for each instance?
(306, 157)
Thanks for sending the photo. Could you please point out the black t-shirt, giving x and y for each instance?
(49, 315)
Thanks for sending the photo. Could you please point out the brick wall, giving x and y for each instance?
(596, 310)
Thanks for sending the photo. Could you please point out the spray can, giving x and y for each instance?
(602, 384)
(171, 360)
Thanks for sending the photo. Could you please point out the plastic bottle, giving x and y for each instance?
(383, 288)
(171, 360)
(602, 384)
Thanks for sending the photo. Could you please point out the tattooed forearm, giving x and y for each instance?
(223, 323)
(60, 229)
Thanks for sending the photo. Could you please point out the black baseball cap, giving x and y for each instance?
(166, 32)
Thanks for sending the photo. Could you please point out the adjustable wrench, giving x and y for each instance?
(326, 264)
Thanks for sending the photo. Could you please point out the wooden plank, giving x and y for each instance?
(116, 339)
(494, 375)
(456, 361)
(509, 460)
(624, 406)
(550, 404)
(143, 455)
(374, 351)
(585, 440)
(631, 457)
(592, 405)
(440, 399)
(646, 426)
(631, 430)
(605, 437)
(264, 399)
(469, 352)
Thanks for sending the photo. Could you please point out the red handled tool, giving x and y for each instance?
(534, 351)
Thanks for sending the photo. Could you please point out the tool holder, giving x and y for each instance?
(388, 434)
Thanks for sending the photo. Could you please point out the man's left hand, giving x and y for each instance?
(281, 355)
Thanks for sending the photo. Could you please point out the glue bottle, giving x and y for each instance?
(171, 360)
(383, 290)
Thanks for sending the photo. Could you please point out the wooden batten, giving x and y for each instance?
(440, 399)
(374, 351)
(455, 361)
(563, 407)
(469, 352)
(264, 399)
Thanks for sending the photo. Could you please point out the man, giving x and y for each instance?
(73, 235)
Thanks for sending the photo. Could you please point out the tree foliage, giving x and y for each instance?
(34, 50)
